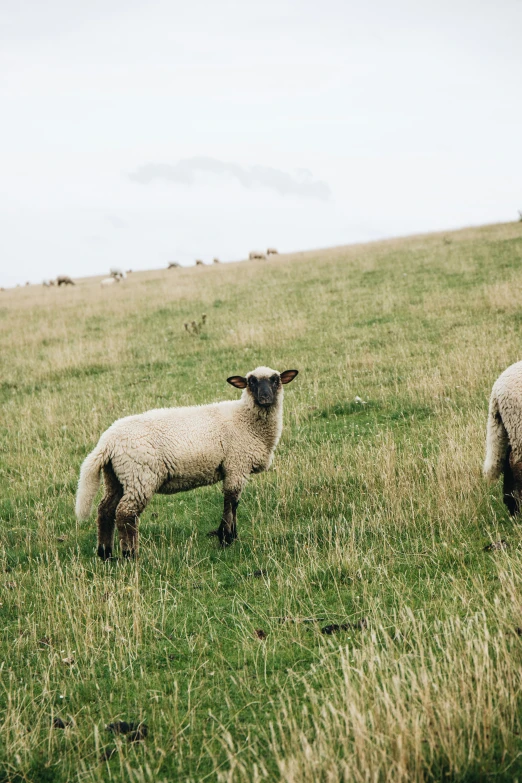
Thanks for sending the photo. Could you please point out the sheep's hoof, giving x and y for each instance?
(105, 552)
(226, 537)
(128, 554)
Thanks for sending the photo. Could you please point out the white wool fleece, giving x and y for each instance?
(170, 450)
(504, 427)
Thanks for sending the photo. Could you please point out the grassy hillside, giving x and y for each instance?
(375, 514)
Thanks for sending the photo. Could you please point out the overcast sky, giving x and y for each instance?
(134, 133)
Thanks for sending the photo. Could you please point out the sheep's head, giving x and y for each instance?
(263, 384)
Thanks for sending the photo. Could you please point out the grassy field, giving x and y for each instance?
(374, 515)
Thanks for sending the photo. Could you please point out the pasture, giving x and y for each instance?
(374, 516)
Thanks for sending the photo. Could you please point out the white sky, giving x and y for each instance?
(382, 118)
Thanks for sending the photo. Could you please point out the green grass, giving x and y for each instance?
(373, 509)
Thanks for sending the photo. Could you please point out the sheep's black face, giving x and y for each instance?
(264, 390)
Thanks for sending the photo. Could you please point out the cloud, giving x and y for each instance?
(184, 172)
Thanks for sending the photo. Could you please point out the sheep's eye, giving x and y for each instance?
(252, 381)
(274, 378)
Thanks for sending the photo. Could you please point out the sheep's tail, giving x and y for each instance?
(89, 482)
(497, 442)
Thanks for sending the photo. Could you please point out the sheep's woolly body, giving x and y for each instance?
(118, 272)
(175, 449)
(504, 428)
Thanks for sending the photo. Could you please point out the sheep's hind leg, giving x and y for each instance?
(127, 518)
(107, 512)
(513, 484)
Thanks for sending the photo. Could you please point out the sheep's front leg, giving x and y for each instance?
(227, 530)
(228, 527)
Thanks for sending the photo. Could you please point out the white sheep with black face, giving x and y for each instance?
(172, 450)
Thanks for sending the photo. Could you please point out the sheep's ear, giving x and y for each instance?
(238, 381)
(288, 375)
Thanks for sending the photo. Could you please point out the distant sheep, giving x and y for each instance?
(173, 265)
(271, 251)
(199, 262)
(176, 449)
(117, 272)
(64, 280)
(48, 283)
(109, 281)
(216, 261)
(504, 436)
(255, 254)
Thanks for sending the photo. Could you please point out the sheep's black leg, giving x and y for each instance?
(228, 525)
(227, 530)
(512, 484)
(107, 512)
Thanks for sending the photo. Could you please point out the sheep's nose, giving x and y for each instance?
(265, 395)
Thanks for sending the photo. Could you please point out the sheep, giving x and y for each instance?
(109, 281)
(254, 254)
(216, 261)
(64, 280)
(173, 265)
(171, 450)
(117, 272)
(199, 262)
(47, 283)
(271, 251)
(503, 439)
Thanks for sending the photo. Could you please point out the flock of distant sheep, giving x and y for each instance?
(117, 274)
(254, 255)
